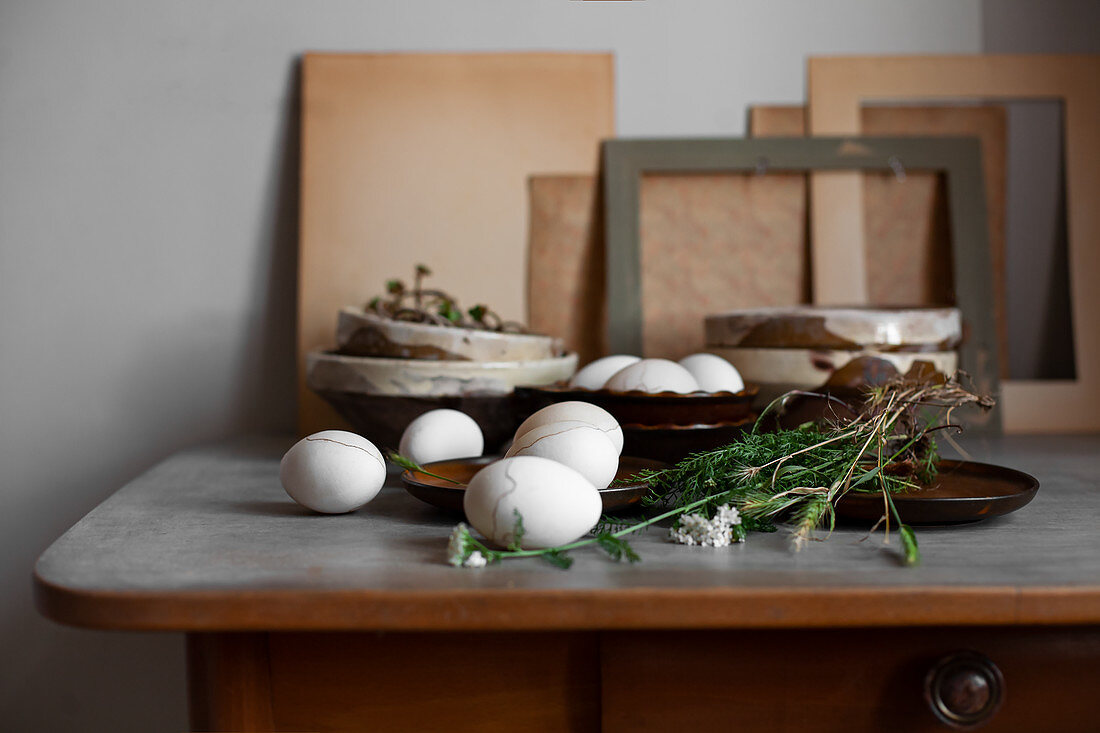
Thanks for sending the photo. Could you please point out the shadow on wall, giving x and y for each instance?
(267, 385)
(67, 679)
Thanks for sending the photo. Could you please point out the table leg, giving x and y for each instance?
(229, 682)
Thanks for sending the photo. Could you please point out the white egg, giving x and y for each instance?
(576, 410)
(579, 445)
(557, 504)
(333, 471)
(653, 375)
(713, 373)
(441, 435)
(595, 374)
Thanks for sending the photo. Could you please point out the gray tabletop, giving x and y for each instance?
(208, 539)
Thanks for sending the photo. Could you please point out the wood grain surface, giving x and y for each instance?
(208, 540)
(411, 158)
(429, 682)
(566, 293)
(840, 680)
(229, 682)
(843, 680)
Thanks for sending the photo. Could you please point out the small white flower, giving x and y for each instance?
(696, 529)
(475, 560)
(457, 552)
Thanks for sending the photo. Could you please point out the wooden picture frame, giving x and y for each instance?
(837, 89)
(904, 227)
(959, 159)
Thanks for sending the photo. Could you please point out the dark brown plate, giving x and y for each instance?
(965, 491)
(448, 496)
(383, 418)
(673, 443)
(644, 408)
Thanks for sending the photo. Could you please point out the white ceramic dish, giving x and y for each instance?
(780, 370)
(359, 333)
(816, 327)
(326, 371)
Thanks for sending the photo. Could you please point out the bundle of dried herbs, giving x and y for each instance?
(793, 476)
(435, 307)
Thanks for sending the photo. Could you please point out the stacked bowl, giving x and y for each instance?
(659, 422)
(835, 349)
(384, 373)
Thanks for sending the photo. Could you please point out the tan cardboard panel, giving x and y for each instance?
(709, 244)
(412, 158)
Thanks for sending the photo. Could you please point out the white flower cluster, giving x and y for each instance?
(456, 545)
(696, 529)
(475, 560)
(460, 549)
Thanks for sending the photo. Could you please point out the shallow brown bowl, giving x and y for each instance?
(673, 443)
(623, 492)
(383, 418)
(645, 408)
(965, 491)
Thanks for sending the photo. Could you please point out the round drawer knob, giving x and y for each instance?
(964, 690)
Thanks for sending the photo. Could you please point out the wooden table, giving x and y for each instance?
(302, 622)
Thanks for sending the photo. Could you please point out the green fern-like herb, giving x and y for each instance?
(517, 532)
(797, 476)
(618, 548)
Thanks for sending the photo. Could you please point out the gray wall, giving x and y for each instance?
(147, 189)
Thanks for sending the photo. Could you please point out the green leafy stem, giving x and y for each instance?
(610, 542)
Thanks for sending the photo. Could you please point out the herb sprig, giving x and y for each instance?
(794, 475)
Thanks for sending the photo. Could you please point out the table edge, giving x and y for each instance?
(733, 607)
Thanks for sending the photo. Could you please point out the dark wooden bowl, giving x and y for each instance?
(673, 443)
(644, 408)
(383, 418)
(622, 494)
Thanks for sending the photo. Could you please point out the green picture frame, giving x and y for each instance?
(625, 161)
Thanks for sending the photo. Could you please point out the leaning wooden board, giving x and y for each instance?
(411, 158)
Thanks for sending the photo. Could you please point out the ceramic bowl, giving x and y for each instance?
(818, 348)
(777, 371)
(326, 371)
(837, 328)
(359, 333)
(645, 408)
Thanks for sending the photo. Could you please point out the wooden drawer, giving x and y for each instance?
(840, 680)
(536, 682)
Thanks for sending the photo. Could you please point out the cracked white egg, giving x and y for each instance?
(579, 445)
(579, 411)
(441, 435)
(713, 373)
(558, 505)
(653, 375)
(333, 471)
(594, 375)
